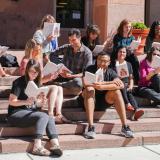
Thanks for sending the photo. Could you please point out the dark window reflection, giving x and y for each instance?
(70, 13)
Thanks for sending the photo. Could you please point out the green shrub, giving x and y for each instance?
(139, 25)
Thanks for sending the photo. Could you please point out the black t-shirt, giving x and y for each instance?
(18, 89)
(109, 74)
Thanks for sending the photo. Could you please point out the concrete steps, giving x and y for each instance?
(23, 144)
(7, 81)
(102, 127)
(108, 126)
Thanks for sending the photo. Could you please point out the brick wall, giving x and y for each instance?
(19, 20)
(119, 10)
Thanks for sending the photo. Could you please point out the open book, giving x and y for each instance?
(3, 49)
(91, 78)
(156, 45)
(98, 49)
(122, 69)
(155, 62)
(51, 29)
(52, 68)
(134, 44)
(33, 91)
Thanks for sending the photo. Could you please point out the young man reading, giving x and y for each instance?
(106, 92)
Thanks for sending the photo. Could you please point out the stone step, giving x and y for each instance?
(108, 114)
(23, 144)
(103, 126)
(7, 81)
(67, 102)
(5, 91)
(11, 70)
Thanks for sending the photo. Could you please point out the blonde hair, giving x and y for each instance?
(30, 45)
(47, 18)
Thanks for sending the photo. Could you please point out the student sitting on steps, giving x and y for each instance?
(33, 51)
(23, 112)
(108, 93)
(129, 100)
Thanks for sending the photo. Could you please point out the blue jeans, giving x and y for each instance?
(153, 91)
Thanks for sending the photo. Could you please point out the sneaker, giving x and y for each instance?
(90, 133)
(138, 114)
(127, 132)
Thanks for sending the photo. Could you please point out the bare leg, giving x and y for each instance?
(115, 97)
(89, 102)
(59, 100)
(52, 96)
(2, 73)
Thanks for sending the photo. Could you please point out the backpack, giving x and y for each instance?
(8, 60)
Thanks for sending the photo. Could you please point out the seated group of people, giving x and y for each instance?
(78, 58)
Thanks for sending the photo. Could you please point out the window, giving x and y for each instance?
(70, 13)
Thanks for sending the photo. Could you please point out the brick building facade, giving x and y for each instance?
(20, 18)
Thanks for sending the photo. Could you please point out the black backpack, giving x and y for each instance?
(8, 60)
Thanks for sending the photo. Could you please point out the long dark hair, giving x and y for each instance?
(36, 65)
(150, 54)
(92, 29)
(152, 29)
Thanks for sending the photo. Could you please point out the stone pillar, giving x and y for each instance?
(107, 14)
(100, 16)
(152, 11)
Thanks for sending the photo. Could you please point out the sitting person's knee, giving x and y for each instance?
(89, 92)
(53, 88)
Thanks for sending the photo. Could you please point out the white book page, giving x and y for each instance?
(134, 44)
(155, 62)
(122, 70)
(156, 45)
(50, 67)
(33, 91)
(51, 29)
(97, 49)
(90, 78)
(62, 67)
(100, 75)
(56, 30)
(48, 29)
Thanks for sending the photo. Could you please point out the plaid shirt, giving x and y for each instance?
(76, 62)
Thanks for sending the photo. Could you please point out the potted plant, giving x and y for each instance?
(140, 30)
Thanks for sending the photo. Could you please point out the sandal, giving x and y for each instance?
(60, 119)
(41, 151)
(56, 151)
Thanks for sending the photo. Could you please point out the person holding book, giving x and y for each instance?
(24, 112)
(153, 36)
(149, 83)
(33, 51)
(107, 92)
(50, 43)
(76, 57)
(127, 79)
(91, 39)
(124, 38)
